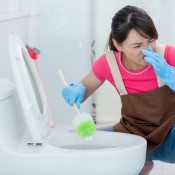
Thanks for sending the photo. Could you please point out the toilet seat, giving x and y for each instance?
(30, 90)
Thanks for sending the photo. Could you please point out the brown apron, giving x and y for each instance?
(150, 114)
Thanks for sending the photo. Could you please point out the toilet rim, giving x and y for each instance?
(55, 140)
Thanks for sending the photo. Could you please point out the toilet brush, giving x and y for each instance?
(82, 122)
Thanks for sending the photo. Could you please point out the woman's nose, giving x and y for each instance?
(145, 45)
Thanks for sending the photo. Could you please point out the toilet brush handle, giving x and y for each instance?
(65, 84)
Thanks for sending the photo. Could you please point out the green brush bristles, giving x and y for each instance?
(86, 128)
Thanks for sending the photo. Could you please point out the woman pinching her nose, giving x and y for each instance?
(164, 70)
(143, 74)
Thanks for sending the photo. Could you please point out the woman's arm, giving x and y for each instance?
(78, 92)
(91, 83)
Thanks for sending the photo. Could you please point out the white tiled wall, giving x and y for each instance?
(161, 168)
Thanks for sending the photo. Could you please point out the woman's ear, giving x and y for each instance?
(117, 46)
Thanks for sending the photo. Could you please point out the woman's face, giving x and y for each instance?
(132, 47)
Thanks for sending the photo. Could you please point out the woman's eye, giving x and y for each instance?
(150, 41)
(137, 46)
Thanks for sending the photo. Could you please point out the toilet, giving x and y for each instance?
(30, 146)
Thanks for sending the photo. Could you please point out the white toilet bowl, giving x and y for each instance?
(30, 146)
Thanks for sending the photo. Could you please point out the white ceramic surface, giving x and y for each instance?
(65, 154)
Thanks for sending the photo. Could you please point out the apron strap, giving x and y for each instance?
(116, 73)
(160, 49)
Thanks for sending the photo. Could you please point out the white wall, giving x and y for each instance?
(18, 24)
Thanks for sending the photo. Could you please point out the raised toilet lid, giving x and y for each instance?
(30, 90)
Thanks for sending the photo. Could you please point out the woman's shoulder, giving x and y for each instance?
(101, 68)
(169, 54)
(169, 49)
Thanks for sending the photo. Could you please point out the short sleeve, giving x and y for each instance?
(98, 67)
(101, 70)
(170, 55)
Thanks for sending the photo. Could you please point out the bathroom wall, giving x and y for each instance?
(11, 17)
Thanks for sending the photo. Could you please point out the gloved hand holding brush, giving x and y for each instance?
(74, 94)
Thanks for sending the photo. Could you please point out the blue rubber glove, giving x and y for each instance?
(74, 93)
(165, 71)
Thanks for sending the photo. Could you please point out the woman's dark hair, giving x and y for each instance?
(131, 17)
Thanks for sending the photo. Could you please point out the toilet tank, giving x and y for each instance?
(10, 116)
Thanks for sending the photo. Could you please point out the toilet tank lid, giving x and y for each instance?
(7, 88)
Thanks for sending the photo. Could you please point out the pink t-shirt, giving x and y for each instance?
(135, 82)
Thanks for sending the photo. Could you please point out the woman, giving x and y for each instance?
(143, 74)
